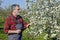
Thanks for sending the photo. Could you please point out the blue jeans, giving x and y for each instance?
(15, 37)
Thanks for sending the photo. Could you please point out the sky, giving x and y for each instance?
(6, 3)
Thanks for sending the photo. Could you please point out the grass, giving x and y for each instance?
(3, 36)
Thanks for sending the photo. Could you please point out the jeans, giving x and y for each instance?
(15, 37)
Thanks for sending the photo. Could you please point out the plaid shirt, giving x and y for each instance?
(11, 21)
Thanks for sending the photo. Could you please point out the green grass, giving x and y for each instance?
(3, 36)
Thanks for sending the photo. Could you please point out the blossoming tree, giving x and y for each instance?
(45, 14)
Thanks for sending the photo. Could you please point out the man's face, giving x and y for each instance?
(16, 10)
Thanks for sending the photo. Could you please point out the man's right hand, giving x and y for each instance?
(18, 31)
(14, 31)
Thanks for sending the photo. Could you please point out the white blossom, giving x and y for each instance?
(53, 35)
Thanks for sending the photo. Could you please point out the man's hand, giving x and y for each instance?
(14, 31)
(18, 31)
(29, 24)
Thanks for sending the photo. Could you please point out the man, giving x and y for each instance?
(14, 24)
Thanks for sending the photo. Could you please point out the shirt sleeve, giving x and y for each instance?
(25, 23)
(6, 25)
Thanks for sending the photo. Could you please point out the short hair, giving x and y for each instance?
(14, 5)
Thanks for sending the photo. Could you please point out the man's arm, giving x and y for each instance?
(29, 24)
(26, 25)
(7, 25)
(14, 31)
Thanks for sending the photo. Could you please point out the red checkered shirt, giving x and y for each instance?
(10, 24)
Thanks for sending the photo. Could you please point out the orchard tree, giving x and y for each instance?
(45, 14)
